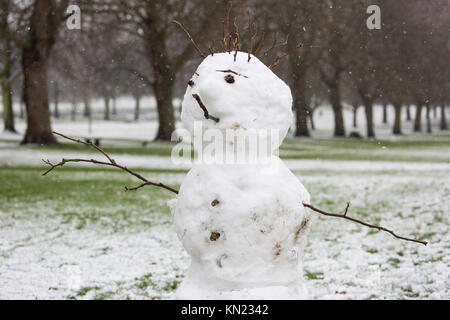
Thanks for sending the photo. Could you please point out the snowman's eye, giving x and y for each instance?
(191, 83)
(229, 78)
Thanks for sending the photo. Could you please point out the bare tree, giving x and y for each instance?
(41, 21)
(337, 27)
(5, 71)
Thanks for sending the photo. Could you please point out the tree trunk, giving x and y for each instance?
(443, 125)
(435, 111)
(397, 129)
(44, 23)
(355, 115)
(335, 100)
(368, 108)
(8, 113)
(163, 88)
(73, 111)
(311, 118)
(408, 113)
(418, 118)
(385, 116)
(137, 108)
(429, 130)
(55, 99)
(34, 64)
(87, 102)
(107, 112)
(301, 118)
(298, 91)
(114, 109)
(164, 78)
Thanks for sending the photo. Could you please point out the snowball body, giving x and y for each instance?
(244, 230)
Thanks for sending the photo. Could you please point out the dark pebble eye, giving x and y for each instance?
(190, 83)
(229, 78)
(215, 202)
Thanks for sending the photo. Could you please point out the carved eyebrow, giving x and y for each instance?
(231, 71)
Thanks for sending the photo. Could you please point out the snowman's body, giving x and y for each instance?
(244, 226)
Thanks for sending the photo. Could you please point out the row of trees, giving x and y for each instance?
(133, 47)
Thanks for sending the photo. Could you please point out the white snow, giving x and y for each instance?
(40, 255)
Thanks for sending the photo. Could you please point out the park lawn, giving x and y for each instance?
(418, 148)
(78, 221)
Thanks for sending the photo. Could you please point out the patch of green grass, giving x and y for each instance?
(82, 197)
(428, 235)
(324, 149)
(145, 281)
(314, 275)
(371, 250)
(410, 293)
(374, 150)
(171, 285)
(394, 262)
(104, 295)
(83, 291)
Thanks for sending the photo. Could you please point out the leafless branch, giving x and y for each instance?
(111, 162)
(275, 44)
(278, 58)
(259, 44)
(231, 71)
(225, 29)
(205, 111)
(344, 216)
(190, 38)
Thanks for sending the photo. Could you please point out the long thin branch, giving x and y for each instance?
(111, 162)
(344, 216)
(190, 38)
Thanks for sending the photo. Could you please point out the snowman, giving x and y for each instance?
(244, 227)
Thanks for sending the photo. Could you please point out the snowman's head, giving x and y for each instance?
(238, 94)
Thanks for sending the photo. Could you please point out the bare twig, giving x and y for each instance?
(149, 183)
(237, 40)
(344, 216)
(226, 35)
(275, 44)
(259, 44)
(278, 58)
(111, 162)
(231, 71)
(190, 38)
(205, 111)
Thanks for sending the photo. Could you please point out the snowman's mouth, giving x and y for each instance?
(205, 111)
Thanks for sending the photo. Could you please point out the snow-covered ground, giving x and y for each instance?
(50, 252)
(58, 246)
